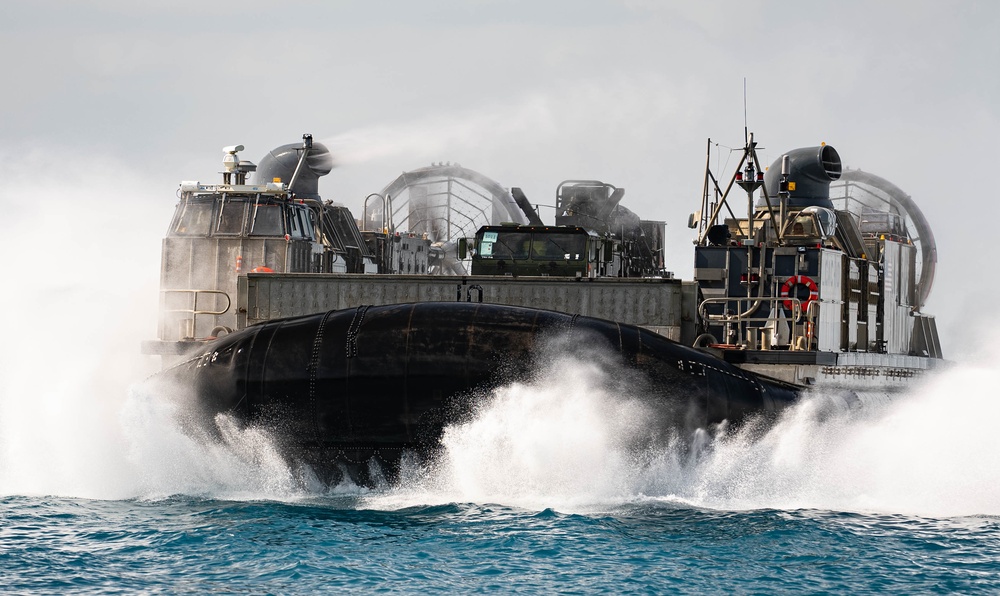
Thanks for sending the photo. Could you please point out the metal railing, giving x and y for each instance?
(189, 324)
(760, 333)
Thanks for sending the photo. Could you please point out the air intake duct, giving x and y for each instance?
(283, 161)
(810, 172)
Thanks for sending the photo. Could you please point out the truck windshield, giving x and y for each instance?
(539, 246)
(558, 246)
(505, 245)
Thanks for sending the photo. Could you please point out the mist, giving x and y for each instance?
(564, 441)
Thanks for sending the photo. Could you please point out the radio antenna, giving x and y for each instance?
(746, 135)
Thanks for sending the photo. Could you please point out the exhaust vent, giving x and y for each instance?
(283, 161)
(810, 172)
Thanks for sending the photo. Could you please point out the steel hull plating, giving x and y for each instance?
(346, 384)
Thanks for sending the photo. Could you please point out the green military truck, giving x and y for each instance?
(524, 250)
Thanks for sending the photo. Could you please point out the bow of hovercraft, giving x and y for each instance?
(347, 385)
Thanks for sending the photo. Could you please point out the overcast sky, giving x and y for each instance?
(111, 103)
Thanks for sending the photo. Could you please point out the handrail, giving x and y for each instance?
(194, 311)
(724, 318)
(743, 322)
(194, 307)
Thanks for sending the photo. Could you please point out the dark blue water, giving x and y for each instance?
(542, 492)
(327, 544)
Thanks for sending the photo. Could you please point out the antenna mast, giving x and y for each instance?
(746, 134)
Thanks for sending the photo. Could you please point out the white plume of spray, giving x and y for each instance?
(931, 452)
(82, 246)
(582, 110)
(564, 438)
(567, 438)
(568, 441)
(241, 463)
(435, 134)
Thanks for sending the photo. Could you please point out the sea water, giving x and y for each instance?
(327, 544)
(542, 491)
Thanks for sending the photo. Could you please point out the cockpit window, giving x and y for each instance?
(298, 223)
(231, 216)
(266, 221)
(802, 226)
(195, 219)
(811, 223)
(304, 216)
(826, 221)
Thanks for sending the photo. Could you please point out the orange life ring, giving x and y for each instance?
(262, 270)
(791, 282)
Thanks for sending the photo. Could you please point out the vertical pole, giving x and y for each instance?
(703, 218)
(749, 159)
(750, 179)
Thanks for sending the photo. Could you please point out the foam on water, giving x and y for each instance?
(931, 452)
(72, 441)
(565, 442)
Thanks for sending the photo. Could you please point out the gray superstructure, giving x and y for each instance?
(810, 287)
(814, 287)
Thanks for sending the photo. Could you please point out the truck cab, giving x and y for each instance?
(525, 250)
